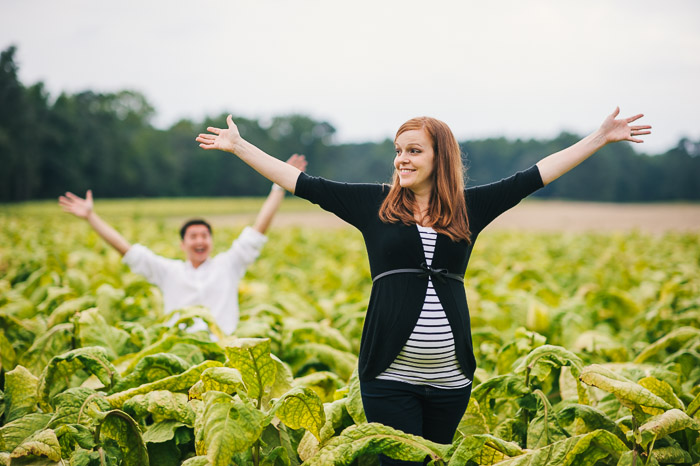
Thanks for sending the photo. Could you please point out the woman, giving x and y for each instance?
(416, 360)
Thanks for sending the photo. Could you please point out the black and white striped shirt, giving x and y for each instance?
(428, 357)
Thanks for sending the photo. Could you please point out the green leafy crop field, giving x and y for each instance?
(588, 348)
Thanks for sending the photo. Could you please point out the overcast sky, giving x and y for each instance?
(488, 68)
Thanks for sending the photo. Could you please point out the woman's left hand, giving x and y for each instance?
(614, 130)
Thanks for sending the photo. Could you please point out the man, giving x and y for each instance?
(200, 280)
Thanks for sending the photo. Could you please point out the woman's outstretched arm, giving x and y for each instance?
(230, 140)
(274, 199)
(612, 130)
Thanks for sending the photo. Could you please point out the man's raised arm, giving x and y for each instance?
(83, 208)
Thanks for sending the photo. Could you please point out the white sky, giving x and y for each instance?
(488, 68)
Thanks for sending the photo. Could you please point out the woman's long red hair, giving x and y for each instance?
(447, 212)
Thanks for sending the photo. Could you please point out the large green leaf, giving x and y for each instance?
(152, 368)
(8, 355)
(473, 421)
(197, 461)
(483, 449)
(91, 329)
(673, 454)
(324, 383)
(57, 340)
(73, 406)
(20, 393)
(301, 408)
(122, 429)
(694, 406)
(42, 443)
(189, 314)
(587, 419)
(354, 403)
(630, 394)
(337, 419)
(284, 381)
(278, 446)
(229, 425)
(222, 379)
(317, 355)
(166, 345)
(662, 425)
(315, 332)
(251, 356)
(63, 313)
(161, 405)
(582, 450)
(676, 337)
(502, 386)
(174, 383)
(72, 436)
(544, 429)
(71, 369)
(163, 431)
(14, 433)
(540, 361)
(663, 390)
(372, 439)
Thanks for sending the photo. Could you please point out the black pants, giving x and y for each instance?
(432, 413)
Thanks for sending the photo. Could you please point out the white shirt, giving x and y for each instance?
(214, 284)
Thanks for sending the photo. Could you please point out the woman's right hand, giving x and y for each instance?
(77, 205)
(222, 139)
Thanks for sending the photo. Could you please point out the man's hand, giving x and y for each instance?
(298, 161)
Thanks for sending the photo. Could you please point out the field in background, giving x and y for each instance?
(587, 342)
(530, 215)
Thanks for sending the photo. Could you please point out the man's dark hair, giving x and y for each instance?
(194, 221)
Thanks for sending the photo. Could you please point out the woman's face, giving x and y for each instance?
(414, 160)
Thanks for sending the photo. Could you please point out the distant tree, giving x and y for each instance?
(106, 141)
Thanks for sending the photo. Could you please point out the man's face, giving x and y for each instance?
(196, 244)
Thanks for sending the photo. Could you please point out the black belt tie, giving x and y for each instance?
(424, 271)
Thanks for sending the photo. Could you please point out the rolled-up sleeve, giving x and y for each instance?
(145, 262)
(246, 248)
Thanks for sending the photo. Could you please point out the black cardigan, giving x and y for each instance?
(396, 300)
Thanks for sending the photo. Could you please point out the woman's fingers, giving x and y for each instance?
(634, 118)
(214, 130)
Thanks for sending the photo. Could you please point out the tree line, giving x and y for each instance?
(107, 142)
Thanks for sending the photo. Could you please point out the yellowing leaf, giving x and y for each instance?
(162, 405)
(662, 425)
(663, 390)
(20, 393)
(120, 427)
(676, 337)
(251, 356)
(229, 425)
(372, 439)
(301, 407)
(70, 369)
(43, 443)
(582, 450)
(630, 394)
(222, 379)
(174, 383)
